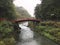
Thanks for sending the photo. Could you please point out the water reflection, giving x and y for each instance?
(26, 35)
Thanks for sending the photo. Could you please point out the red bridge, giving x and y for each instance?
(27, 19)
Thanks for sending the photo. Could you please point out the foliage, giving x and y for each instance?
(22, 13)
(48, 10)
(7, 41)
(6, 33)
(49, 29)
(2, 43)
(51, 23)
(37, 11)
(7, 9)
(6, 26)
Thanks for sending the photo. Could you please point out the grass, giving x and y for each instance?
(50, 30)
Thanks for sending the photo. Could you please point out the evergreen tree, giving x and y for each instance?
(48, 10)
(7, 9)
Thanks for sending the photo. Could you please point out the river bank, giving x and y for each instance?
(50, 30)
(43, 40)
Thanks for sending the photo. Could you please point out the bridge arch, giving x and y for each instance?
(17, 21)
(27, 19)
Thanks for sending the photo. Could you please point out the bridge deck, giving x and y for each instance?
(27, 19)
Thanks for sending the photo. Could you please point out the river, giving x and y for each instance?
(28, 37)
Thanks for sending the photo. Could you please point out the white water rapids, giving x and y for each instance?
(26, 35)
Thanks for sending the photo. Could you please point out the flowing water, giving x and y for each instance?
(27, 37)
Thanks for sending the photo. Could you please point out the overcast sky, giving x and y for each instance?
(29, 5)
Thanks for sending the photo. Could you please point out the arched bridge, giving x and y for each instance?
(27, 19)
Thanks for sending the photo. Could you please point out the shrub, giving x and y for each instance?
(2, 43)
(9, 41)
(6, 28)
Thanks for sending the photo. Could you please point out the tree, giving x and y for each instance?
(8, 29)
(48, 9)
(37, 11)
(7, 9)
(22, 13)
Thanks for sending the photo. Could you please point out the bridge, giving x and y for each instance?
(26, 19)
(22, 20)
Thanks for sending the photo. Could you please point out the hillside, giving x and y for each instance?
(22, 13)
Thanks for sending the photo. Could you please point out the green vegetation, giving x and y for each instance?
(48, 10)
(22, 13)
(50, 30)
(7, 33)
(7, 28)
(7, 9)
(7, 41)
